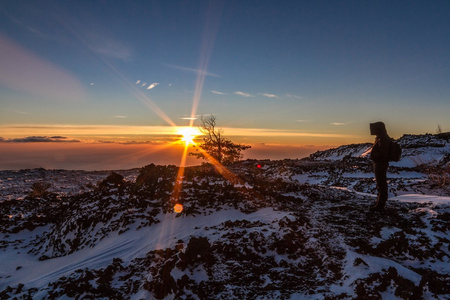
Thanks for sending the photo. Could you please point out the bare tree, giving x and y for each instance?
(214, 144)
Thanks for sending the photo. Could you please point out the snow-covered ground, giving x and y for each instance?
(289, 230)
(18, 184)
(20, 267)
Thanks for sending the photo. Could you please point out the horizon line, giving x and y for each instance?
(20, 130)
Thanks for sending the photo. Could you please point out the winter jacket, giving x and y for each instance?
(381, 146)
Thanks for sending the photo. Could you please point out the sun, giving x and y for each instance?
(188, 134)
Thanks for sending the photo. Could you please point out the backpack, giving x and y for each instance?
(395, 152)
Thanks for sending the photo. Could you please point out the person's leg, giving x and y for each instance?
(380, 170)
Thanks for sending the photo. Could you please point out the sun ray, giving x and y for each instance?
(179, 182)
(230, 176)
(209, 35)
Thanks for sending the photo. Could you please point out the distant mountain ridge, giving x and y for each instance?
(416, 149)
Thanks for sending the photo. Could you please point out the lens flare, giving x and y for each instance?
(178, 208)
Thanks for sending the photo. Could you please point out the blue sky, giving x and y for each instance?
(315, 72)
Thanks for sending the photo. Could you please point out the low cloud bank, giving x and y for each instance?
(41, 139)
(82, 156)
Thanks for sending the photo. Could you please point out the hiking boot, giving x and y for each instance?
(376, 208)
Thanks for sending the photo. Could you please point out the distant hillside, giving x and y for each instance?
(416, 149)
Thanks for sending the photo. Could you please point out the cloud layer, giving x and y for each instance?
(269, 95)
(217, 92)
(247, 95)
(144, 84)
(40, 139)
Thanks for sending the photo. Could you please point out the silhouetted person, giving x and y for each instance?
(380, 158)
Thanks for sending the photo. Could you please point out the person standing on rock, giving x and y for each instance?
(380, 158)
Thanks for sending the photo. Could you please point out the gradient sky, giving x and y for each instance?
(287, 77)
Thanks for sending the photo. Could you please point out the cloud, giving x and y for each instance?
(19, 130)
(217, 92)
(120, 117)
(131, 142)
(63, 139)
(58, 137)
(280, 133)
(239, 93)
(41, 139)
(155, 143)
(293, 96)
(268, 95)
(189, 117)
(154, 84)
(150, 86)
(338, 124)
(191, 70)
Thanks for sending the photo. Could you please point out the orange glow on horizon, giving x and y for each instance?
(165, 134)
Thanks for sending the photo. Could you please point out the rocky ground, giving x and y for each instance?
(290, 229)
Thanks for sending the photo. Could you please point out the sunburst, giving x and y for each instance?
(188, 134)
